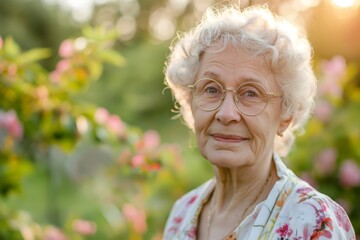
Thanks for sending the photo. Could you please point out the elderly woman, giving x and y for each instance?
(244, 83)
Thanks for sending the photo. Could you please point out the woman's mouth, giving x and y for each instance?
(228, 137)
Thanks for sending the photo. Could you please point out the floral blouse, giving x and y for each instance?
(293, 210)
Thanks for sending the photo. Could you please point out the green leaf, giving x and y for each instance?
(33, 56)
(112, 57)
(11, 48)
(95, 69)
(89, 32)
(99, 33)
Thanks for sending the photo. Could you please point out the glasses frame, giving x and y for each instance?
(269, 94)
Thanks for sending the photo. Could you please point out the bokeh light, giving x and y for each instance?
(344, 3)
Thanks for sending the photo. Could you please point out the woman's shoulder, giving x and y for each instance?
(310, 213)
(193, 196)
(303, 194)
(185, 210)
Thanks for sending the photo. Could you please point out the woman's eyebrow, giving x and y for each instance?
(217, 77)
(211, 74)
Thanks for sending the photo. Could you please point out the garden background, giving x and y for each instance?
(89, 148)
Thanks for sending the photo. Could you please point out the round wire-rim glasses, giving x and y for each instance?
(250, 98)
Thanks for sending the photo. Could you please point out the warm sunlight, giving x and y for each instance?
(345, 3)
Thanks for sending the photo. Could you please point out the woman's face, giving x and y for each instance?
(226, 137)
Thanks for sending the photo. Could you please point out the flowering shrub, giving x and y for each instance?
(39, 114)
(327, 155)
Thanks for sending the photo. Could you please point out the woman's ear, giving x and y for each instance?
(284, 124)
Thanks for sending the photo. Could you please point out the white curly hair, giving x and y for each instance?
(259, 32)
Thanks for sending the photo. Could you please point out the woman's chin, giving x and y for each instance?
(232, 161)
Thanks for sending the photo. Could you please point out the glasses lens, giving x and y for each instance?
(251, 98)
(207, 94)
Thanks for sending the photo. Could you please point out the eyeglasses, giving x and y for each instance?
(250, 98)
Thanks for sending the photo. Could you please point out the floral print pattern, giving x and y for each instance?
(284, 232)
(293, 211)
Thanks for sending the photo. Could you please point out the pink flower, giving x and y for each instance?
(323, 111)
(349, 174)
(151, 139)
(284, 231)
(335, 67)
(52, 233)
(66, 48)
(11, 124)
(55, 76)
(84, 227)
(116, 126)
(12, 70)
(63, 65)
(325, 161)
(101, 116)
(333, 71)
(1, 43)
(138, 160)
(136, 217)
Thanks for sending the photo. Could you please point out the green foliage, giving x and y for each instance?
(40, 123)
(7, 230)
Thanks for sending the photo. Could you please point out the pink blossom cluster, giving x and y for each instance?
(136, 217)
(284, 231)
(67, 50)
(326, 164)
(1, 43)
(9, 69)
(112, 122)
(11, 124)
(349, 174)
(53, 233)
(61, 67)
(84, 227)
(323, 110)
(333, 72)
(145, 147)
(325, 161)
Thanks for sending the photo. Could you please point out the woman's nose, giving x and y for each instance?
(228, 111)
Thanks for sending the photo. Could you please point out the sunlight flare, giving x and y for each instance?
(344, 3)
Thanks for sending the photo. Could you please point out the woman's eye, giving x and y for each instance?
(211, 90)
(250, 94)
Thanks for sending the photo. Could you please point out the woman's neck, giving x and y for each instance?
(239, 187)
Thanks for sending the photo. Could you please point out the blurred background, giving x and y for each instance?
(89, 145)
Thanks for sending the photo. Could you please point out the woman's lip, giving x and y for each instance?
(228, 137)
